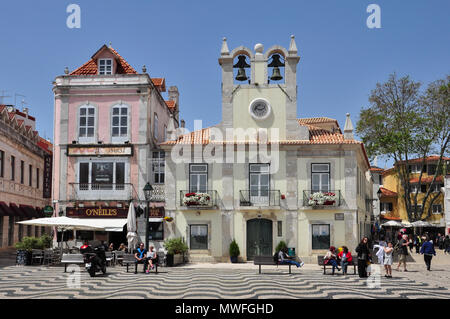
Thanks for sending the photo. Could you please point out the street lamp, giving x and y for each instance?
(148, 189)
(379, 193)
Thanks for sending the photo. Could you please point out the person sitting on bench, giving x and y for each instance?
(151, 258)
(285, 259)
(331, 258)
(141, 257)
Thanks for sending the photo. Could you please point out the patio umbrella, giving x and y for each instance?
(421, 223)
(63, 223)
(132, 235)
(392, 223)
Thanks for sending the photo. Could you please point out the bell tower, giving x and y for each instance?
(266, 97)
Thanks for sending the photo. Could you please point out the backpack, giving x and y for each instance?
(275, 257)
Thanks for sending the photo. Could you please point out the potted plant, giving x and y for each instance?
(26, 246)
(234, 251)
(320, 198)
(281, 246)
(175, 251)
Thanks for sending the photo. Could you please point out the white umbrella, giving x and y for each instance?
(61, 222)
(421, 223)
(132, 235)
(64, 223)
(392, 223)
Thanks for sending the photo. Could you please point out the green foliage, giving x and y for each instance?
(29, 243)
(281, 246)
(234, 249)
(403, 123)
(175, 246)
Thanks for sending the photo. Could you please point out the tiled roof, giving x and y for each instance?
(91, 68)
(426, 180)
(376, 169)
(160, 83)
(170, 105)
(316, 120)
(387, 193)
(432, 158)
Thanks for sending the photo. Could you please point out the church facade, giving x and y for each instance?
(263, 175)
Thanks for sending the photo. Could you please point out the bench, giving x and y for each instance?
(267, 260)
(71, 259)
(128, 259)
(320, 263)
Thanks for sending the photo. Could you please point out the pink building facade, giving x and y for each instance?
(108, 122)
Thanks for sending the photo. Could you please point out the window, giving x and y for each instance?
(198, 178)
(437, 209)
(280, 228)
(155, 126)
(320, 236)
(386, 207)
(419, 208)
(22, 173)
(380, 179)
(415, 169)
(158, 167)
(30, 175)
(423, 188)
(436, 188)
(13, 168)
(320, 177)
(2, 163)
(83, 235)
(165, 133)
(199, 236)
(119, 121)
(37, 177)
(259, 180)
(87, 122)
(105, 66)
(101, 175)
(155, 231)
(432, 169)
(414, 188)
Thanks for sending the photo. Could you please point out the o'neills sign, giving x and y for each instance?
(100, 150)
(97, 212)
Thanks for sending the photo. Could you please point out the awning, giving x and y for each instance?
(5, 210)
(29, 211)
(108, 224)
(155, 220)
(17, 211)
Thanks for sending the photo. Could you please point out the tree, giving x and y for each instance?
(404, 123)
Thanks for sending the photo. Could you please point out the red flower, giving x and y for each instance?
(189, 194)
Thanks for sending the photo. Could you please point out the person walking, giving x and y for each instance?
(363, 257)
(403, 252)
(410, 244)
(446, 245)
(388, 259)
(428, 252)
(440, 241)
(418, 243)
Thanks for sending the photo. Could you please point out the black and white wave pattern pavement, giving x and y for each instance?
(51, 282)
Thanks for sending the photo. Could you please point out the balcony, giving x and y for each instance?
(332, 198)
(101, 192)
(158, 194)
(260, 198)
(208, 199)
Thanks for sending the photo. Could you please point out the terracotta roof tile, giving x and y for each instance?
(170, 105)
(91, 68)
(387, 193)
(426, 180)
(160, 83)
(376, 169)
(315, 120)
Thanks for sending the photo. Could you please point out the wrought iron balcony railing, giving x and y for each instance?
(315, 198)
(197, 200)
(259, 197)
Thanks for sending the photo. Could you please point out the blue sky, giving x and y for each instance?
(341, 59)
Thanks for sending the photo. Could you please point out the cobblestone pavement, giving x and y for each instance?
(216, 281)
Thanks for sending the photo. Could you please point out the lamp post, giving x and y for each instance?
(148, 189)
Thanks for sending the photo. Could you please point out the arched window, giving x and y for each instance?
(119, 127)
(86, 123)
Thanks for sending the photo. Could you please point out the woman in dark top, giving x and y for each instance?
(363, 256)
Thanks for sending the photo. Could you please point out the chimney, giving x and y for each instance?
(348, 129)
(25, 110)
(174, 95)
(183, 123)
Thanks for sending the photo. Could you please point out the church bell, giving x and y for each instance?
(276, 63)
(241, 65)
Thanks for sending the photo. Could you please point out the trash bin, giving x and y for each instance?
(291, 251)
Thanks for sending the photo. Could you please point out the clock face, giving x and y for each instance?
(259, 109)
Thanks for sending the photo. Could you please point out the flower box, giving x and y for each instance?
(197, 199)
(319, 198)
